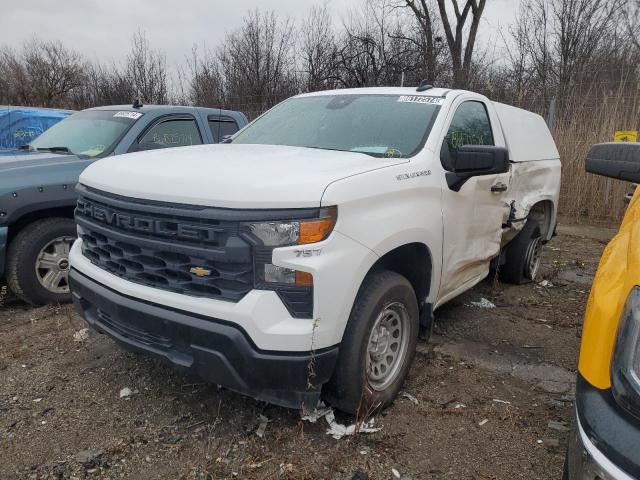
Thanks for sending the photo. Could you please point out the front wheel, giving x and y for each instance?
(378, 345)
(38, 261)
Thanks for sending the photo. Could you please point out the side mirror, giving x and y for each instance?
(226, 139)
(615, 160)
(472, 161)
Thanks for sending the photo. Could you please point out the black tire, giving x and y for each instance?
(519, 268)
(24, 249)
(350, 389)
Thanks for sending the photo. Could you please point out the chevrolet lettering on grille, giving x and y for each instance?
(135, 223)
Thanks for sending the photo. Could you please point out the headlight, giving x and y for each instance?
(280, 234)
(276, 234)
(294, 287)
(625, 369)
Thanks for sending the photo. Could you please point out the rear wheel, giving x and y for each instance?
(377, 347)
(38, 261)
(524, 255)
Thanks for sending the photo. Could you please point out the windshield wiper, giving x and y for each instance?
(55, 149)
(370, 154)
(26, 147)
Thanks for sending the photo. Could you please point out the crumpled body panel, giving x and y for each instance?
(531, 183)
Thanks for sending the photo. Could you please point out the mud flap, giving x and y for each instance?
(426, 322)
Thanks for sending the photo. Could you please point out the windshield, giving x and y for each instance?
(89, 133)
(378, 125)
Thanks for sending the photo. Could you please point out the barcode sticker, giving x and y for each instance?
(131, 115)
(421, 99)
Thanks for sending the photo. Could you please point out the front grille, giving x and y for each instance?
(164, 246)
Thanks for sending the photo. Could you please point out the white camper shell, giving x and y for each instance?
(304, 258)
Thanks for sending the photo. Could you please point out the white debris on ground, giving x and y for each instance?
(81, 335)
(483, 422)
(483, 303)
(504, 402)
(410, 397)
(454, 404)
(125, 392)
(395, 472)
(262, 426)
(546, 283)
(337, 430)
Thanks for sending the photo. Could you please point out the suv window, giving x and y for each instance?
(470, 126)
(221, 127)
(179, 132)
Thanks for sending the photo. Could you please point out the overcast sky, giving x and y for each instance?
(102, 29)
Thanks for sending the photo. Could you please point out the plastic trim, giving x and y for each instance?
(4, 234)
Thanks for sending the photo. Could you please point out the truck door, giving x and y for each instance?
(176, 130)
(474, 215)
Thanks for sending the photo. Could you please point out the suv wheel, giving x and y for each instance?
(38, 261)
(524, 254)
(377, 347)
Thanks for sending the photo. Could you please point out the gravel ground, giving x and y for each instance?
(489, 397)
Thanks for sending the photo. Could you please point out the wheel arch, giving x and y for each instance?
(30, 216)
(412, 260)
(544, 213)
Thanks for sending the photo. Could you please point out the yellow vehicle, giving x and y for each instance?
(606, 442)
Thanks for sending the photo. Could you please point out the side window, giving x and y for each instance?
(470, 126)
(179, 132)
(221, 127)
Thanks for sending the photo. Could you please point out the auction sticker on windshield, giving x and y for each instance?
(131, 115)
(420, 99)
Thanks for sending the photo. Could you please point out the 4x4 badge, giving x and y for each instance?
(200, 272)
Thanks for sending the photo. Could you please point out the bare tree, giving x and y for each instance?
(428, 45)
(147, 70)
(318, 50)
(105, 85)
(15, 85)
(43, 73)
(257, 60)
(374, 49)
(461, 52)
(568, 42)
(206, 87)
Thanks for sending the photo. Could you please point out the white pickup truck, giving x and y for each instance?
(305, 257)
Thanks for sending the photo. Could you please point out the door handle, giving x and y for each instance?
(498, 187)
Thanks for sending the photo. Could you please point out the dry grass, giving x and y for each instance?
(592, 117)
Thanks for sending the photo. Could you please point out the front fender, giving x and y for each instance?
(20, 202)
(385, 209)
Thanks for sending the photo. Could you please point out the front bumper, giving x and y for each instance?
(606, 442)
(4, 234)
(586, 462)
(218, 351)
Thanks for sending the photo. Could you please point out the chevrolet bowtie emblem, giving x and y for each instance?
(200, 272)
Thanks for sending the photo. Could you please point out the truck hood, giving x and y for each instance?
(229, 175)
(10, 159)
(24, 169)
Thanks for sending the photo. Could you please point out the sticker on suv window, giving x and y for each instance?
(131, 115)
(420, 99)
